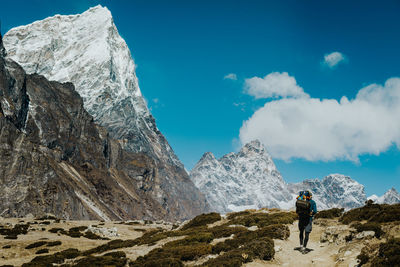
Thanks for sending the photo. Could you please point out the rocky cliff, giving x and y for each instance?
(55, 159)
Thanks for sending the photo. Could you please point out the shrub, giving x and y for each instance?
(275, 231)
(36, 244)
(389, 254)
(360, 214)
(101, 261)
(18, 229)
(329, 214)
(262, 249)
(55, 230)
(226, 231)
(369, 226)
(263, 219)
(54, 243)
(42, 251)
(389, 213)
(373, 212)
(111, 245)
(164, 262)
(93, 236)
(202, 220)
(48, 260)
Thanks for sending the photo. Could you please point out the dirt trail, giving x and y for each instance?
(322, 254)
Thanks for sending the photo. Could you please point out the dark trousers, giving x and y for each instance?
(305, 226)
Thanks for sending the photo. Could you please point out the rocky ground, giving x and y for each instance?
(253, 238)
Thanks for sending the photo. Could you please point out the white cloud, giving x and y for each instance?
(230, 76)
(274, 85)
(156, 100)
(333, 59)
(326, 129)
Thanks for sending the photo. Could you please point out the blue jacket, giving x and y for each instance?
(313, 208)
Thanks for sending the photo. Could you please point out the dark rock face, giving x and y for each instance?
(55, 159)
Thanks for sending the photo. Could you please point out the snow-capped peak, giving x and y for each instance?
(236, 181)
(390, 197)
(87, 50)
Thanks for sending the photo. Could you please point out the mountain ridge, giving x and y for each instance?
(226, 183)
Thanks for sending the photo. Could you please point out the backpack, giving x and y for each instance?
(303, 207)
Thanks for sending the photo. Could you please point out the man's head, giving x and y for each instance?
(308, 194)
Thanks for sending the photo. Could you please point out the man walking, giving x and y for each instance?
(306, 208)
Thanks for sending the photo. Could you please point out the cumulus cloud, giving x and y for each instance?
(230, 76)
(327, 129)
(333, 59)
(274, 85)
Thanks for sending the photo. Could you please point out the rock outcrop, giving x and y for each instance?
(55, 159)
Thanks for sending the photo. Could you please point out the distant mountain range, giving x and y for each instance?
(250, 179)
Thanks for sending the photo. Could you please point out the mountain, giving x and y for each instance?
(55, 158)
(335, 190)
(390, 197)
(250, 179)
(247, 179)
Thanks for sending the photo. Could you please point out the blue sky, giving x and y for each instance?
(184, 49)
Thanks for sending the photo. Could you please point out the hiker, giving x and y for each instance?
(306, 208)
